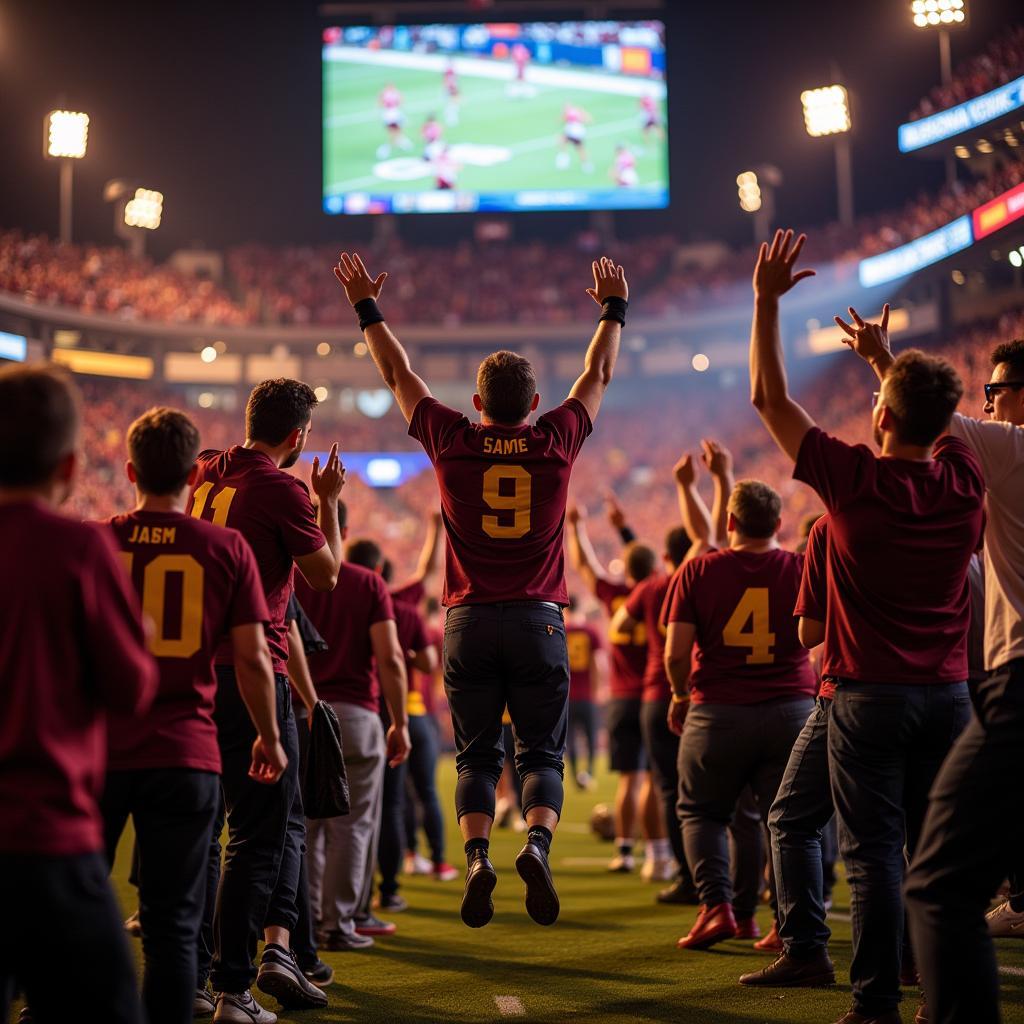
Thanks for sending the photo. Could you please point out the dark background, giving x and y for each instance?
(218, 106)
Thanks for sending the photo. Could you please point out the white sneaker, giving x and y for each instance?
(622, 864)
(647, 869)
(417, 864)
(1005, 923)
(204, 1004)
(664, 870)
(241, 1008)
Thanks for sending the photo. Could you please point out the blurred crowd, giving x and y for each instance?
(1002, 61)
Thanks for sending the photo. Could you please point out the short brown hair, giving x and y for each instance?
(276, 408)
(922, 393)
(641, 561)
(162, 446)
(39, 418)
(756, 507)
(364, 552)
(506, 384)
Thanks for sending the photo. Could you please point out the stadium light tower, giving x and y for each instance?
(756, 191)
(65, 138)
(827, 112)
(136, 211)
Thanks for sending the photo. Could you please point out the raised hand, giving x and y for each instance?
(684, 471)
(869, 341)
(356, 280)
(609, 280)
(774, 275)
(268, 761)
(716, 457)
(615, 514)
(575, 514)
(328, 482)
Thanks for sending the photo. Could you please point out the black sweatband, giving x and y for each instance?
(614, 308)
(368, 312)
(627, 535)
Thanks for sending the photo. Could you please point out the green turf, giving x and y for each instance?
(529, 126)
(610, 959)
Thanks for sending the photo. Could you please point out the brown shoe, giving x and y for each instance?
(853, 1017)
(771, 943)
(788, 972)
(713, 924)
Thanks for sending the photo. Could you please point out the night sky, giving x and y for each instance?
(218, 106)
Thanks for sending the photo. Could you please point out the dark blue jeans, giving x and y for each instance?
(422, 782)
(391, 843)
(797, 818)
(971, 837)
(886, 743)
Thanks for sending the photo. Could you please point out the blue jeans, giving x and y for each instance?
(886, 743)
(802, 809)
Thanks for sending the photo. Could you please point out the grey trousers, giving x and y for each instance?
(724, 749)
(342, 852)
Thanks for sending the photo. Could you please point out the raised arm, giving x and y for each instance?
(869, 341)
(320, 569)
(430, 554)
(611, 293)
(581, 551)
(692, 510)
(787, 421)
(387, 352)
(718, 460)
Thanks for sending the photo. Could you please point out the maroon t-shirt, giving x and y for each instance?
(629, 650)
(412, 632)
(243, 489)
(901, 535)
(196, 582)
(812, 599)
(72, 650)
(747, 650)
(503, 495)
(582, 640)
(410, 593)
(343, 617)
(645, 605)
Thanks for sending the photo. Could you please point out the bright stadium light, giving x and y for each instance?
(144, 210)
(323, 349)
(320, 393)
(700, 362)
(749, 192)
(1016, 260)
(826, 110)
(938, 13)
(209, 354)
(65, 138)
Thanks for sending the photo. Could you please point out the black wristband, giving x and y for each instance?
(368, 312)
(627, 535)
(614, 308)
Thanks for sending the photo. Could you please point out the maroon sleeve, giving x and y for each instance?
(812, 598)
(636, 603)
(679, 603)
(836, 470)
(382, 608)
(298, 526)
(432, 424)
(411, 593)
(570, 423)
(420, 639)
(248, 603)
(124, 671)
(596, 638)
(952, 450)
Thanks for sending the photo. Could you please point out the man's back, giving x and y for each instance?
(196, 581)
(244, 489)
(582, 642)
(71, 647)
(503, 497)
(628, 650)
(644, 605)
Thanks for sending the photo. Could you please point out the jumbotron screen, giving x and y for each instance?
(495, 117)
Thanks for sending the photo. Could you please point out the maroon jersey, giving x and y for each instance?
(412, 637)
(747, 650)
(812, 598)
(72, 650)
(901, 536)
(629, 650)
(583, 641)
(644, 605)
(421, 685)
(243, 489)
(197, 582)
(503, 495)
(410, 593)
(345, 671)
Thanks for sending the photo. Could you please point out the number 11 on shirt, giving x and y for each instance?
(220, 506)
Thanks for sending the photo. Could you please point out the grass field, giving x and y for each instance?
(527, 127)
(610, 959)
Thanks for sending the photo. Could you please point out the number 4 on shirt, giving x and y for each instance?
(220, 506)
(752, 609)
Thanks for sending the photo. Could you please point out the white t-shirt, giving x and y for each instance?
(1000, 450)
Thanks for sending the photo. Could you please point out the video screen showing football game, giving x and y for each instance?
(495, 117)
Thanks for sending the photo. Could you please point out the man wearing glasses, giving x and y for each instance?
(973, 827)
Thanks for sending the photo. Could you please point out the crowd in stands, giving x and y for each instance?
(1001, 62)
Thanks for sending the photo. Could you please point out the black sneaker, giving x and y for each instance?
(280, 976)
(541, 898)
(681, 891)
(477, 906)
(392, 903)
(319, 973)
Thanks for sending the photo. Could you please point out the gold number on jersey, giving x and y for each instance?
(753, 608)
(518, 501)
(638, 638)
(154, 598)
(579, 651)
(220, 506)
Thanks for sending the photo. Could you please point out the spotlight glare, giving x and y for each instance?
(323, 349)
(144, 210)
(749, 192)
(320, 393)
(209, 354)
(826, 110)
(66, 134)
(1016, 260)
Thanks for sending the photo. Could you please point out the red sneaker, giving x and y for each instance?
(771, 943)
(747, 928)
(713, 924)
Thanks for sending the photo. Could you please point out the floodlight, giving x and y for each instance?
(700, 362)
(826, 110)
(65, 134)
(1016, 260)
(941, 13)
(209, 354)
(749, 192)
(144, 210)
(320, 393)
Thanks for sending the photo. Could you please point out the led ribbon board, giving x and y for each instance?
(921, 252)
